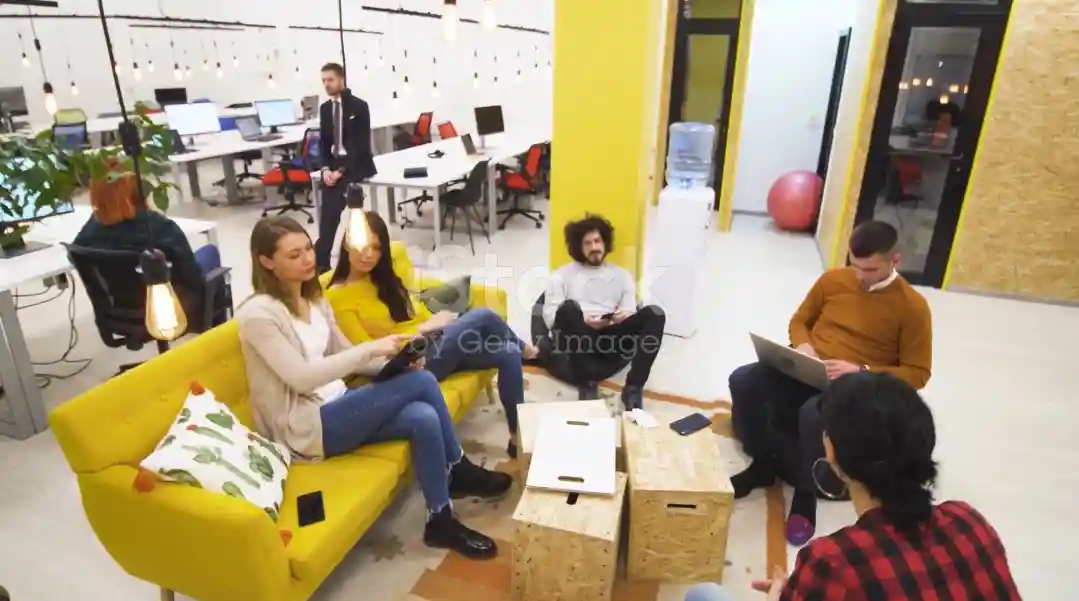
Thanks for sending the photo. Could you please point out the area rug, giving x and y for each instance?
(392, 563)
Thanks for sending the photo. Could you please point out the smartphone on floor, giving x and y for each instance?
(691, 423)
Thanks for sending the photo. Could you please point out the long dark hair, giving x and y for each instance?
(575, 231)
(391, 290)
(883, 436)
(267, 232)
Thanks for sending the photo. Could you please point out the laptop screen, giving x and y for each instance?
(470, 148)
(248, 127)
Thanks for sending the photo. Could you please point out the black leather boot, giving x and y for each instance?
(470, 480)
(445, 531)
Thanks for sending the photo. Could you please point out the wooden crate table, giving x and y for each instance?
(680, 503)
(565, 546)
(529, 416)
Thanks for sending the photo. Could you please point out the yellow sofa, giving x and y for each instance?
(209, 546)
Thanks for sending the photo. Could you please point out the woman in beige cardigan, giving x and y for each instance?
(297, 359)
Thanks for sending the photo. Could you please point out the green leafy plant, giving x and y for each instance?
(38, 176)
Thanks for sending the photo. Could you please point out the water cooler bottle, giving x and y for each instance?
(675, 247)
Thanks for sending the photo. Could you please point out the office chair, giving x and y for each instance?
(465, 201)
(71, 135)
(69, 116)
(248, 158)
(117, 293)
(517, 184)
(293, 176)
(422, 133)
(446, 130)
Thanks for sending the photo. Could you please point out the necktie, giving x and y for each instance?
(338, 127)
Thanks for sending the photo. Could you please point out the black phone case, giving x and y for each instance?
(400, 362)
(309, 508)
(695, 422)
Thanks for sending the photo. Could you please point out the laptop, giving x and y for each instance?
(251, 131)
(470, 146)
(177, 143)
(807, 370)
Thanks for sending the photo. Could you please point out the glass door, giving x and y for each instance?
(937, 78)
(702, 76)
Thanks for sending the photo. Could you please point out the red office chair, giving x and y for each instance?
(293, 176)
(516, 184)
(422, 133)
(446, 130)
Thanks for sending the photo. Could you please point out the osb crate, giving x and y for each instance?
(565, 546)
(530, 414)
(680, 503)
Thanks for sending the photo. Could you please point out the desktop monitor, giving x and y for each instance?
(27, 212)
(193, 119)
(167, 96)
(13, 101)
(489, 120)
(273, 113)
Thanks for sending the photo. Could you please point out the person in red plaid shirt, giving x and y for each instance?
(878, 439)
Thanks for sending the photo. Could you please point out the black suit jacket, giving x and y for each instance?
(358, 162)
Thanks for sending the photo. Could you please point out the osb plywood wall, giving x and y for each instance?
(854, 127)
(1019, 232)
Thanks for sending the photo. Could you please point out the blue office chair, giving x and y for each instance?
(71, 135)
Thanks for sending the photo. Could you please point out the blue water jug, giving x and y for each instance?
(689, 154)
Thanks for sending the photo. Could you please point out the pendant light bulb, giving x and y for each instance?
(187, 71)
(220, 73)
(476, 81)
(25, 60)
(357, 228)
(177, 74)
(205, 65)
(298, 72)
(116, 68)
(150, 66)
(489, 21)
(165, 318)
(235, 61)
(407, 88)
(50, 99)
(449, 20)
(434, 89)
(270, 82)
(135, 72)
(74, 89)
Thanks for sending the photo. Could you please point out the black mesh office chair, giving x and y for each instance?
(117, 293)
(465, 201)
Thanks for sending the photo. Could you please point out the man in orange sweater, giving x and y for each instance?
(864, 317)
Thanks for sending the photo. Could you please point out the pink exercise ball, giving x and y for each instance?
(794, 199)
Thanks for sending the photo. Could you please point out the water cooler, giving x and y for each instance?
(675, 243)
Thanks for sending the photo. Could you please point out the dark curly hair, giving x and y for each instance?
(883, 436)
(575, 232)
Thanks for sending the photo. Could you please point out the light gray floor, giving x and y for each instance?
(1004, 380)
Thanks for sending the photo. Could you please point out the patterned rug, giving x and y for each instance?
(392, 563)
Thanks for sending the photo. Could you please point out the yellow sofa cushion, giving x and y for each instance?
(355, 491)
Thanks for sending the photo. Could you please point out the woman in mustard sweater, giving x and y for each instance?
(370, 300)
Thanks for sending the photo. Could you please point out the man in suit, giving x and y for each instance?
(345, 142)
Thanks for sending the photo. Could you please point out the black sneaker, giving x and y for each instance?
(633, 397)
(445, 531)
(470, 480)
(589, 391)
(511, 449)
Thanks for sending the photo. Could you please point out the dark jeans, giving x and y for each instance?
(777, 418)
(595, 355)
(481, 339)
(329, 219)
(409, 407)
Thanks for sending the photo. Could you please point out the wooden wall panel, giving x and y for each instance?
(1019, 230)
(870, 37)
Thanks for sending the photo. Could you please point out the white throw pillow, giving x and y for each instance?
(207, 447)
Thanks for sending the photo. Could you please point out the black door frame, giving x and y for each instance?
(686, 27)
(831, 115)
(992, 21)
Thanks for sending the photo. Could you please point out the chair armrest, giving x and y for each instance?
(210, 290)
(204, 545)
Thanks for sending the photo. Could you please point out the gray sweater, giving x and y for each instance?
(599, 290)
(282, 379)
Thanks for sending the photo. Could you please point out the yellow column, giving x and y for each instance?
(607, 58)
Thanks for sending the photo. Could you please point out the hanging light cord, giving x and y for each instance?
(37, 46)
(341, 35)
(132, 148)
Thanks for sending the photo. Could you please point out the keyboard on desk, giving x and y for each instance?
(265, 138)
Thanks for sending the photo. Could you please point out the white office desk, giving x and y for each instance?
(452, 165)
(26, 410)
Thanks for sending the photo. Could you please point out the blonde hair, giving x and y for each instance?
(267, 232)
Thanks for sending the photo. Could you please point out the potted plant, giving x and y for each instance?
(39, 177)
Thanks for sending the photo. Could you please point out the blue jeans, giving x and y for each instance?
(480, 339)
(409, 407)
(708, 592)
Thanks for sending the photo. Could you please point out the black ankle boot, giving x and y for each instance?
(589, 391)
(470, 480)
(633, 397)
(445, 531)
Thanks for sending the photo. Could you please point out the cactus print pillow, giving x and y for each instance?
(207, 447)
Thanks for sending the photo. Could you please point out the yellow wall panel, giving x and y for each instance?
(1019, 230)
(734, 129)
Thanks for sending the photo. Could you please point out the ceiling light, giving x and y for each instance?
(449, 20)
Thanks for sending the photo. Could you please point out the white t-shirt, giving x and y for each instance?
(315, 337)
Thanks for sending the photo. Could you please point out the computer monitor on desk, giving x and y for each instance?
(13, 101)
(167, 96)
(489, 121)
(193, 119)
(17, 207)
(275, 113)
